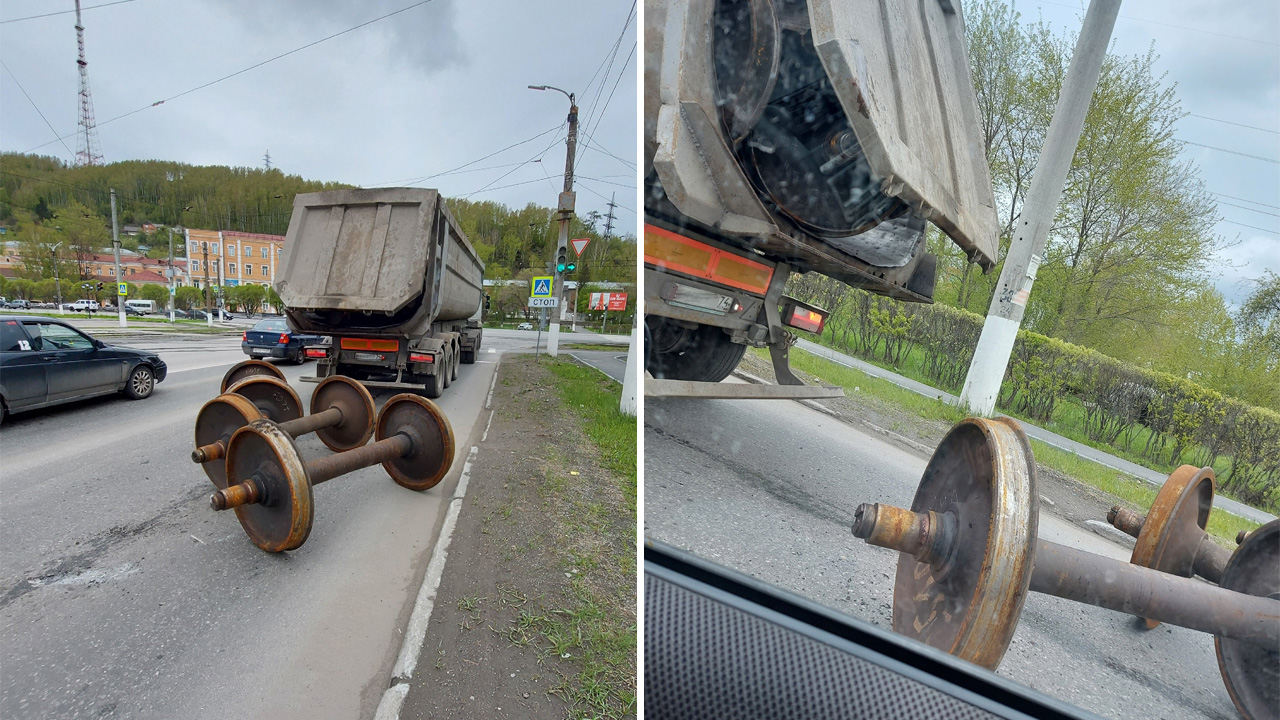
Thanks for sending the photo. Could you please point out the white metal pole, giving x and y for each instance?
(1000, 331)
(171, 289)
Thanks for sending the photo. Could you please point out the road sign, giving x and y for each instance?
(579, 244)
(122, 289)
(544, 302)
(173, 290)
(540, 288)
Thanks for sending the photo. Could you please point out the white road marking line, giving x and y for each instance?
(415, 634)
(486, 426)
(488, 402)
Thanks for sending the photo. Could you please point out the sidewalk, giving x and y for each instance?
(1050, 438)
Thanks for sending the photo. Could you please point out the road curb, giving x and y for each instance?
(415, 632)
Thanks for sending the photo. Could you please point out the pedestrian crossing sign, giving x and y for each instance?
(122, 289)
(541, 287)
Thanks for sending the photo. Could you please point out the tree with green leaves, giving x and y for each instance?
(187, 297)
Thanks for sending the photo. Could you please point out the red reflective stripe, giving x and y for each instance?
(419, 357)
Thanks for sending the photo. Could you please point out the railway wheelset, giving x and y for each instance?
(969, 553)
(245, 444)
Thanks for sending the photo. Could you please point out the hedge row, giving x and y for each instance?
(1156, 414)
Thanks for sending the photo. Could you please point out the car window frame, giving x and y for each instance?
(93, 344)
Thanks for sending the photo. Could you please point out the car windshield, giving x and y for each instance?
(271, 326)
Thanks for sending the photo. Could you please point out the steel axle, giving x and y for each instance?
(253, 490)
(1088, 578)
(270, 486)
(1208, 559)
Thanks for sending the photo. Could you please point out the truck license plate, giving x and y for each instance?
(370, 357)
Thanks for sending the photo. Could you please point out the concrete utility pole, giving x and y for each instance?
(204, 245)
(991, 357)
(565, 207)
(115, 247)
(57, 281)
(630, 378)
(171, 290)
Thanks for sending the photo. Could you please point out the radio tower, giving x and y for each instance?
(87, 152)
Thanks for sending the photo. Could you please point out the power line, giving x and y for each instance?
(37, 107)
(606, 182)
(589, 189)
(1228, 122)
(1233, 152)
(613, 55)
(1255, 202)
(62, 12)
(536, 157)
(252, 67)
(1180, 27)
(591, 141)
(1242, 207)
(622, 72)
(1251, 227)
(473, 162)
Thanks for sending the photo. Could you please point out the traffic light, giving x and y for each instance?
(563, 263)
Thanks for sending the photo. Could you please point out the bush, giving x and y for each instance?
(1117, 400)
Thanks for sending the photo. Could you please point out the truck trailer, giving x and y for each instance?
(388, 275)
(799, 136)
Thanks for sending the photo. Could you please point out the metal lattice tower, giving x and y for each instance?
(608, 225)
(87, 152)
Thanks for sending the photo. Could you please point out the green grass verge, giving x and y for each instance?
(1222, 526)
(603, 638)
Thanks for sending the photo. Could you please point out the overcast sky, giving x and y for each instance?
(1224, 58)
(422, 92)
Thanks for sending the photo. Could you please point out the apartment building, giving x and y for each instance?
(233, 258)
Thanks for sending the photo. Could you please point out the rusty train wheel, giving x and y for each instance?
(431, 458)
(249, 368)
(1252, 672)
(358, 412)
(218, 420)
(273, 396)
(984, 473)
(1175, 523)
(283, 519)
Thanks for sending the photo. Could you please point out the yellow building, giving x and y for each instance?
(233, 258)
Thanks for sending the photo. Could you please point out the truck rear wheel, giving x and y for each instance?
(446, 370)
(457, 360)
(435, 387)
(702, 354)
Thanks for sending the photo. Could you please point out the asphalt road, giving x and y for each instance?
(123, 595)
(769, 488)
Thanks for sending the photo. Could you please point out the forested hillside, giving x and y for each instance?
(43, 200)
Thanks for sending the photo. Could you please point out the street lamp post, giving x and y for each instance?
(565, 208)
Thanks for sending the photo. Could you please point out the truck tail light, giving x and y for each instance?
(798, 316)
(421, 358)
(284, 338)
(317, 353)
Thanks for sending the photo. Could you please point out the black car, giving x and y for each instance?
(45, 362)
(273, 338)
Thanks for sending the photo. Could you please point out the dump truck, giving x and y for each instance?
(794, 136)
(389, 277)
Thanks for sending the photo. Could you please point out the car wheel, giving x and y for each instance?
(142, 382)
(299, 357)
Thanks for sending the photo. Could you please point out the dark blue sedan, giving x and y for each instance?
(47, 362)
(273, 338)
